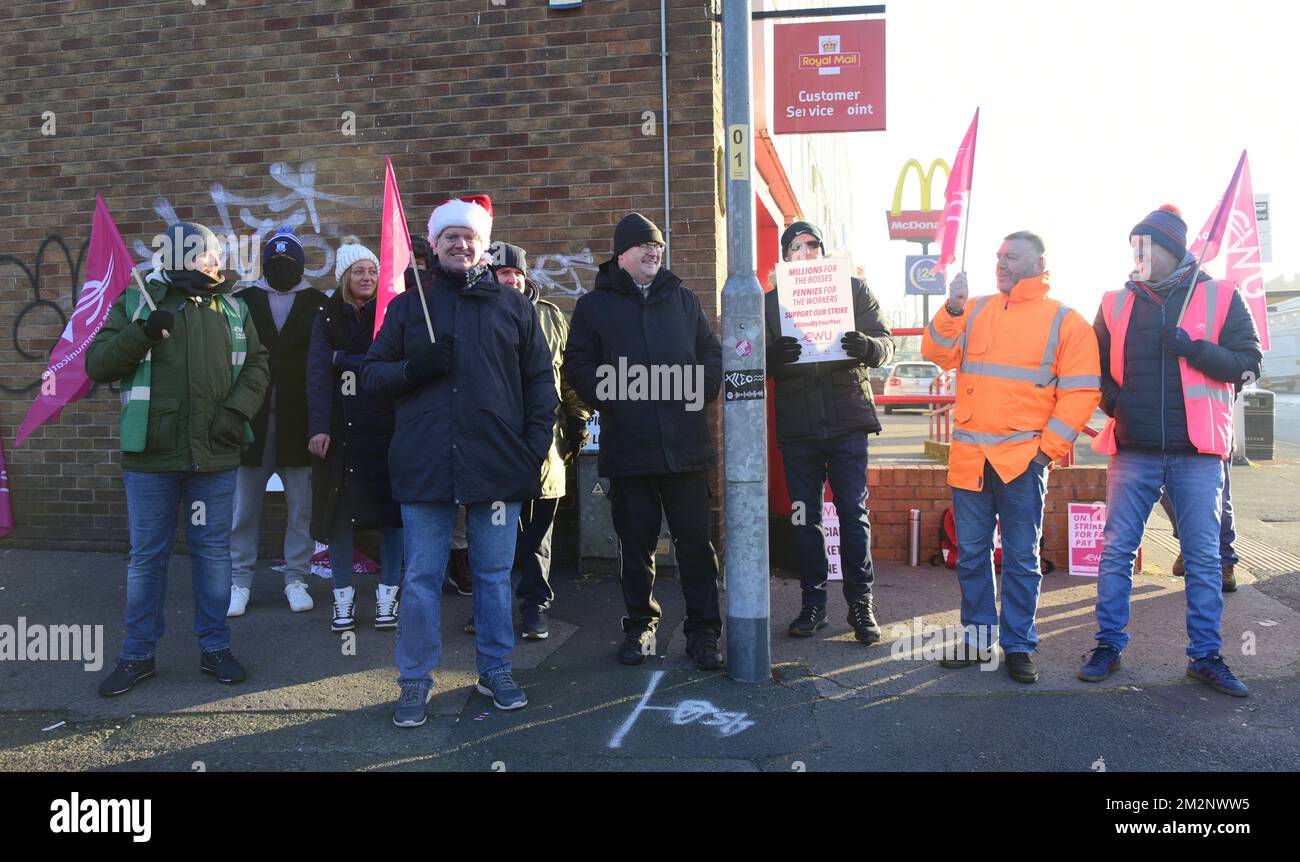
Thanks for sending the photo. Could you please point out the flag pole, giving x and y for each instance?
(140, 284)
(965, 228)
(419, 289)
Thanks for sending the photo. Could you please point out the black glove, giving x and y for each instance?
(158, 322)
(227, 427)
(576, 435)
(783, 351)
(336, 331)
(429, 361)
(1175, 340)
(858, 346)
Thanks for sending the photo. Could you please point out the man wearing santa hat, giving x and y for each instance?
(466, 361)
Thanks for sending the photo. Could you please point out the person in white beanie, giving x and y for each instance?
(467, 362)
(351, 428)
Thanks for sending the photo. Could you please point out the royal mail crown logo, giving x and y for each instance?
(830, 57)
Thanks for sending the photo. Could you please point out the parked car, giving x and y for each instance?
(911, 378)
(878, 376)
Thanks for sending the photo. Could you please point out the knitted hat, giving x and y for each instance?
(505, 255)
(184, 239)
(635, 229)
(350, 251)
(788, 235)
(473, 212)
(284, 241)
(1166, 228)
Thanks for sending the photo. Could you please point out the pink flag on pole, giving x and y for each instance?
(955, 197)
(1232, 228)
(6, 506)
(394, 247)
(108, 269)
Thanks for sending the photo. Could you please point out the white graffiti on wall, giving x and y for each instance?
(559, 273)
(686, 712)
(295, 206)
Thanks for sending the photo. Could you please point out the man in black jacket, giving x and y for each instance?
(824, 413)
(641, 352)
(468, 365)
(283, 305)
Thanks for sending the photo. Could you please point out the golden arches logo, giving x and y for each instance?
(926, 178)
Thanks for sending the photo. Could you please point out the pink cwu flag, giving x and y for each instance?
(955, 197)
(395, 254)
(1232, 228)
(108, 269)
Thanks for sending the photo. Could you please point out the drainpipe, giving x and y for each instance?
(663, 74)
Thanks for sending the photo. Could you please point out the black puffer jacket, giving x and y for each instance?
(821, 400)
(614, 327)
(479, 433)
(358, 421)
(1149, 412)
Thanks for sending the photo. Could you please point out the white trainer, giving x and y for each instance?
(344, 610)
(386, 607)
(238, 601)
(299, 598)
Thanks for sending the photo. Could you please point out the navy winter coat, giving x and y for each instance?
(360, 424)
(668, 328)
(1149, 412)
(479, 433)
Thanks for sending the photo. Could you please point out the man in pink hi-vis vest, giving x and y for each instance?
(1174, 345)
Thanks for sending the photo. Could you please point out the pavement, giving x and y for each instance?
(317, 701)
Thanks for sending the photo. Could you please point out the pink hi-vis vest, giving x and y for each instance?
(1208, 402)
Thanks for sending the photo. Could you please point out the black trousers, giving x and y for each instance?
(533, 552)
(636, 503)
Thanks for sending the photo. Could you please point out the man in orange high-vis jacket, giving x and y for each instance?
(1174, 344)
(1027, 382)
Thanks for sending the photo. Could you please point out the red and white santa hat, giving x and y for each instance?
(473, 212)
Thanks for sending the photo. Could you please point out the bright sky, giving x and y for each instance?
(1091, 116)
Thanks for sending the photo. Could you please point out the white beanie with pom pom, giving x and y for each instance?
(350, 251)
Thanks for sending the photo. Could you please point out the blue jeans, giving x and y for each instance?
(1227, 523)
(1195, 487)
(808, 466)
(390, 552)
(1018, 508)
(427, 531)
(151, 502)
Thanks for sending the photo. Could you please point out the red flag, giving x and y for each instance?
(1233, 221)
(6, 507)
(395, 252)
(955, 197)
(108, 269)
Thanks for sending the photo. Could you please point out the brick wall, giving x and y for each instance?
(896, 489)
(232, 112)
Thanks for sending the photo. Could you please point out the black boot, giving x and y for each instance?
(862, 616)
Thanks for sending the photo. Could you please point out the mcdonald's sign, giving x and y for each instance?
(919, 225)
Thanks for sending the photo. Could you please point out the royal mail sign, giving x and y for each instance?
(829, 77)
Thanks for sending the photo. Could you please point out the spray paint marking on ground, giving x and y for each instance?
(686, 712)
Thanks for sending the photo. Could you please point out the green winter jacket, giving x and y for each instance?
(556, 330)
(190, 380)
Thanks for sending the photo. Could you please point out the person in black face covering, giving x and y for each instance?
(284, 306)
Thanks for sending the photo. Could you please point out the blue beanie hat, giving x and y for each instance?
(1166, 228)
(284, 242)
